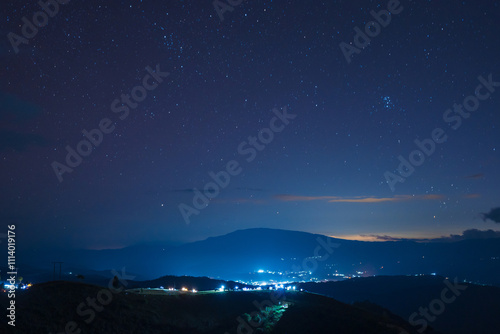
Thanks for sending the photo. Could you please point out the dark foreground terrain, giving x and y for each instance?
(59, 307)
(471, 308)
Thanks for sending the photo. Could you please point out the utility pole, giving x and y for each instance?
(54, 274)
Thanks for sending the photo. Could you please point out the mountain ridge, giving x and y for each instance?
(239, 255)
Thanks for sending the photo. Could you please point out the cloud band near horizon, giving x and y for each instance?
(357, 199)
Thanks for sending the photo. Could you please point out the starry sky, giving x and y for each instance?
(220, 77)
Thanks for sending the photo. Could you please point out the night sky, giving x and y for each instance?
(216, 99)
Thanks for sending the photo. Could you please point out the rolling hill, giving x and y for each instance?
(56, 306)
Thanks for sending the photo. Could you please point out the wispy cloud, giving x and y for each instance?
(475, 176)
(381, 238)
(17, 110)
(17, 141)
(239, 200)
(186, 190)
(471, 234)
(468, 196)
(294, 198)
(466, 235)
(384, 237)
(376, 237)
(249, 189)
(493, 215)
(357, 199)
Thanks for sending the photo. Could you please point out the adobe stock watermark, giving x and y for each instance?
(29, 29)
(233, 168)
(87, 310)
(221, 7)
(454, 118)
(362, 39)
(436, 306)
(94, 137)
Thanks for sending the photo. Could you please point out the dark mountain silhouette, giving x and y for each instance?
(240, 254)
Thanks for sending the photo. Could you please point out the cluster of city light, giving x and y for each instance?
(7, 286)
(222, 288)
(281, 286)
(262, 271)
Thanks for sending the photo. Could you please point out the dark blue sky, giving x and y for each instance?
(323, 172)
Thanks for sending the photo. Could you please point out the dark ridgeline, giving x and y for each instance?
(49, 307)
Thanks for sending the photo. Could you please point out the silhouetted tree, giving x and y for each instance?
(116, 282)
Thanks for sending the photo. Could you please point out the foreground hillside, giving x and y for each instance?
(52, 307)
(469, 309)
